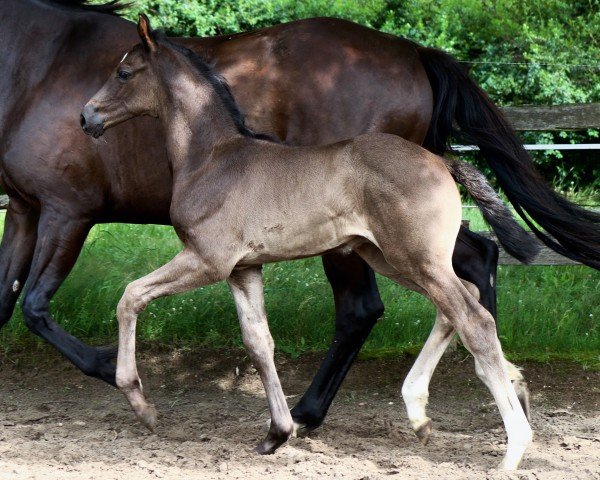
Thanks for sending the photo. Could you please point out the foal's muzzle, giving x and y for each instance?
(91, 122)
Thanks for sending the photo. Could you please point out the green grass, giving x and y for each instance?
(544, 312)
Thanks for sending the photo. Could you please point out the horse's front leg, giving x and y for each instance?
(184, 272)
(357, 306)
(247, 289)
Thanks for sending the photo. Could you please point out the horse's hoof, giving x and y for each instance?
(147, 417)
(523, 395)
(424, 432)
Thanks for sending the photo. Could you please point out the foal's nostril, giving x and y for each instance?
(82, 122)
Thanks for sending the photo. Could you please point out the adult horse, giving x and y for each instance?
(307, 82)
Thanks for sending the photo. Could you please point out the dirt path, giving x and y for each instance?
(57, 424)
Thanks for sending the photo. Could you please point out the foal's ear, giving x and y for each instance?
(145, 32)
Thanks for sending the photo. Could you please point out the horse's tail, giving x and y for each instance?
(514, 238)
(464, 111)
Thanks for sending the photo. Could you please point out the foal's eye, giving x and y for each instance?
(123, 75)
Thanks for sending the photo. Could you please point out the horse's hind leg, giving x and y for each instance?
(247, 289)
(16, 252)
(59, 241)
(358, 307)
(475, 259)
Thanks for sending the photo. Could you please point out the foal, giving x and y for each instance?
(240, 200)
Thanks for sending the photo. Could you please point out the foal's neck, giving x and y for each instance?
(193, 115)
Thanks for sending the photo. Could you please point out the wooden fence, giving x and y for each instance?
(532, 118)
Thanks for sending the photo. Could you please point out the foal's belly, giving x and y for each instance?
(293, 239)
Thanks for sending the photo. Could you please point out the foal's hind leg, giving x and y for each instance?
(475, 259)
(477, 330)
(184, 272)
(415, 389)
(247, 289)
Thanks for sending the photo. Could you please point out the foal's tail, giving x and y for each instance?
(515, 240)
(463, 110)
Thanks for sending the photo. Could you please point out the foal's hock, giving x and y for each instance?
(240, 200)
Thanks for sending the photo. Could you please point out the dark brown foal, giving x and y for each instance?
(240, 201)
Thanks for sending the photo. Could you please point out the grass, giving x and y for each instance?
(544, 312)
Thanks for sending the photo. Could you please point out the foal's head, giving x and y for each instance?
(132, 90)
(137, 88)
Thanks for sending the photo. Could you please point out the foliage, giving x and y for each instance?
(556, 40)
(214, 17)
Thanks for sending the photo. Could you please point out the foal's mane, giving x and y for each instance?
(113, 7)
(217, 82)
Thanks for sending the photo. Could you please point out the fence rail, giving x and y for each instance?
(555, 117)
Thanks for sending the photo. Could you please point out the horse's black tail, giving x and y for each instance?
(464, 111)
(515, 240)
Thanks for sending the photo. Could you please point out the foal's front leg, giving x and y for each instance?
(247, 289)
(184, 272)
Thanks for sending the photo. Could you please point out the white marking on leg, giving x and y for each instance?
(479, 336)
(415, 389)
(16, 286)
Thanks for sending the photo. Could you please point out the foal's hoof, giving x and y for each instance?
(424, 432)
(299, 429)
(271, 443)
(523, 395)
(147, 417)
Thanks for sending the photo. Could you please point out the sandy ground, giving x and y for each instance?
(57, 424)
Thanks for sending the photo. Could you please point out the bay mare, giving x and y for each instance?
(240, 201)
(56, 53)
